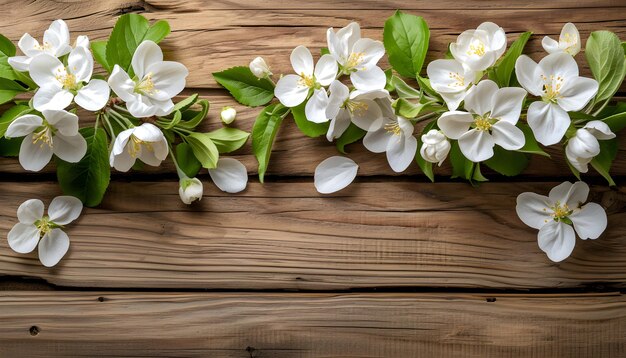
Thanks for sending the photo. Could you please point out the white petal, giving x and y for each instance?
(44, 69)
(53, 247)
(590, 221)
(290, 91)
(573, 195)
(148, 132)
(122, 162)
(94, 96)
(370, 79)
(80, 63)
(326, 70)
(141, 107)
(577, 92)
(550, 45)
(29, 45)
(20, 63)
(445, 75)
(229, 175)
(569, 40)
(64, 209)
(58, 35)
(168, 78)
(453, 99)
(583, 144)
(454, 124)
(369, 116)
(146, 54)
(548, 121)
(581, 164)
(401, 152)
(83, 41)
(52, 97)
(337, 46)
(527, 73)
(315, 108)
(477, 145)
(163, 108)
(338, 125)
(372, 52)
(557, 240)
(339, 93)
(532, 209)
(69, 148)
(559, 64)
(377, 141)
(507, 104)
(23, 125)
(23, 238)
(479, 99)
(119, 144)
(599, 129)
(351, 33)
(302, 61)
(334, 174)
(34, 156)
(30, 211)
(121, 84)
(65, 122)
(507, 135)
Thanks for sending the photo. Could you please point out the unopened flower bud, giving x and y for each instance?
(228, 115)
(259, 68)
(435, 147)
(190, 190)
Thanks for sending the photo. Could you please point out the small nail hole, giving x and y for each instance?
(491, 299)
(100, 299)
(34, 330)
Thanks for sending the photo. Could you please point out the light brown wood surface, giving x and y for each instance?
(393, 266)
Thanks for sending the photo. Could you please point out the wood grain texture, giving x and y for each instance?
(287, 236)
(87, 324)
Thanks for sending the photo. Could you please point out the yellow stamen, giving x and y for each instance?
(552, 87)
(44, 137)
(354, 60)
(44, 225)
(483, 123)
(146, 86)
(393, 128)
(476, 48)
(307, 81)
(46, 46)
(460, 81)
(67, 79)
(355, 107)
(134, 147)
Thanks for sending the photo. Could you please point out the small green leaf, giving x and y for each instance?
(504, 69)
(170, 123)
(186, 160)
(203, 149)
(602, 162)
(406, 41)
(9, 89)
(458, 161)
(245, 87)
(191, 118)
(99, 49)
(7, 49)
(388, 76)
(477, 176)
(228, 139)
(89, 178)
(10, 114)
(307, 127)
(10, 147)
(186, 103)
(158, 31)
(425, 86)
(506, 162)
(403, 89)
(263, 133)
(351, 135)
(324, 51)
(606, 59)
(530, 145)
(616, 122)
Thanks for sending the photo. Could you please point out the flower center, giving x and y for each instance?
(354, 60)
(45, 47)
(393, 128)
(560, 212)
(134, 147)
(43, 137)
(307, 81)
(44, 226)
(477, 48)
(483, 123)
(356, 107)
(66, 79)
(458, 80)
(552, 87)
(146, 86)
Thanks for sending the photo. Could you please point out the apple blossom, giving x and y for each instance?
(145, 142)
(56, 42)
(569, 41)
(228, 114)
(259, 68)
(150, 92)
(395, 138)
(190, 190)
(435, 147)
(555, 214)
(584, 145)
(479, 49)
(451, 80)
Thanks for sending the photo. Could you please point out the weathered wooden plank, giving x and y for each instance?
(87, 324)
(286, 236)
(208, 40)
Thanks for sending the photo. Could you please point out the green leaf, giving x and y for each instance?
(458, 161)
(388, 76)
(425, 166)
(191, 118)
(403, 89)
(186, 103)
(425, 86)
(170, 123)
(228, 139)
(245, 87)
(530, 145)
(408, 109)
(351, 135)
(602, 162)
(307, 127)
(10, 114)
(616, 122)
(203, 149)
(263, 134)
(89, 178)
(324, 51)
(406, 41)
(99, 49)
(129, 32)
(9, 89)
(7, 49)
(477, 175)
(186, 160)
(504, 70)
(10, 147)
(506, 162)
(606, 59)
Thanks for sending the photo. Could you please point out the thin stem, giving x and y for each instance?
(601, 108)
(181, 174)
(128, 123)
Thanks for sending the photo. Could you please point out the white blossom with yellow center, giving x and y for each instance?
(555, 79)
(145, 142)
(150, 92)
(569, 41)
(56, 133)
(451, 79)
(479, 49)
(56, 42)
(555, 214)
(395, 138)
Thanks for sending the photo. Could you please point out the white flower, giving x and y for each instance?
(59, 85)
(357, 56)
(259, 68)
(156, 82)
(358, 107)
(229, 175)
(569, 41)
(190, 190)
(56, 133)
(491, 120)
(228, 114)
(479, 49)
(292, 90)
(581, 148)
(451, 80)
(435, 147)
(555, 79)
(334, 174)
(395, 137)
(35, 228)
(83, 41)
(145, 143)
(555, 214)
(56, 42)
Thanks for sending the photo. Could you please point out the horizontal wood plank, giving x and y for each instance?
(287, 236)
(87, 324)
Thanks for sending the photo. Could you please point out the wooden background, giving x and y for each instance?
(393, 266)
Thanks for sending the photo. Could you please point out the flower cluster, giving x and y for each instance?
(484, 104)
